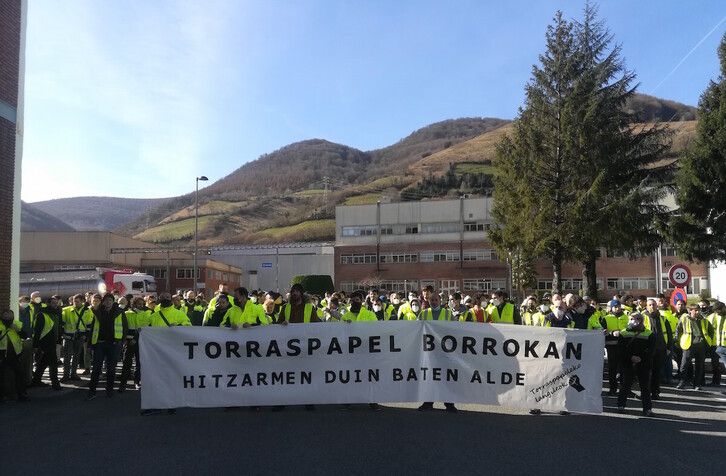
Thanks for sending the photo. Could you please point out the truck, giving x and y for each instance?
(66, 283)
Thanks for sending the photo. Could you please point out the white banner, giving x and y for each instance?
(399, 361)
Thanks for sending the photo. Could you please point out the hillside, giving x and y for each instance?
(290, 194)
(97, 213)
(33, 219)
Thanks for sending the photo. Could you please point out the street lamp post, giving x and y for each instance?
(196, 229)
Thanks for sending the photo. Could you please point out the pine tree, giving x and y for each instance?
(699, 229)
(577, 174)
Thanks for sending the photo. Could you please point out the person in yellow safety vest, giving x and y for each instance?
(665, 310)
(269, 308)
(436, 313)
(405, 306)
(695, 335)
(223, 289)
(411, 312)
(378, 310)
(136, 318)
(358, 313)
(532, 316)
(244, 313)
(636, 345)
(680, 311)
(642, 304)
(477, 313)
(502, 312)
(11, 348)
(613, 322)
(297, 311)
(44, 345)
(166, 315)
(708, 314)
(333, 313)
(582, 315)
(628, 303)
(219, 314)
(719, 326)
(108, 330)
(76, 320)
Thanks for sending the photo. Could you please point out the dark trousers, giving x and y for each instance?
(642, 370)
(613, 363)
(678, 357)
(655, 368)
(108, 352)
(698, 354)
(131, 353)
(715, 366)
(48, 360)
(12, 364)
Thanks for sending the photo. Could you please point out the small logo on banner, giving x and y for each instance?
(575, 383)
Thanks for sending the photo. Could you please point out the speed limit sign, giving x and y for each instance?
(679, 275)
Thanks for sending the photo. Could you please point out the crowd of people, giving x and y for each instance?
(643, 337)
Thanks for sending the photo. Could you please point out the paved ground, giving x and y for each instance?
(61, 433)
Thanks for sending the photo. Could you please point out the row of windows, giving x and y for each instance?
(414, 228)
(186, 273)
(425, 257)
(446, 285)
(628, 284)
(64, 267)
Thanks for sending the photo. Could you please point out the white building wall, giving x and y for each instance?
(272, 268)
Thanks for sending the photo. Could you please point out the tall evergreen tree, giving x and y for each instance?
(699, 229)
(578, 175)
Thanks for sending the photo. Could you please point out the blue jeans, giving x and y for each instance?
(107, 351)
(721, 352)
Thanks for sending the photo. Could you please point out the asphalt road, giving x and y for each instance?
(61, 433)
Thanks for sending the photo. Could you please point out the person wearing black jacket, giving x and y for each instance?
(106, 343)
(636, 348)
(45, 337)
(661, 328)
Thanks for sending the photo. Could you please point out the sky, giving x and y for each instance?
(137, 98)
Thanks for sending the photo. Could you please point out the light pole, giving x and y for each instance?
(196, 229)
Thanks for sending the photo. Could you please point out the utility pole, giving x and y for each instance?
(326, 182)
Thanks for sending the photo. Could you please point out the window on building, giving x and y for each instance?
(63, 267)
(448, 286)
(157, 273)
(209, 274)
(440, 228)
(218, 274)
(398, 258)
(369, 230)
(483, 284)
(399, 285)
(437, 256)
(358, 258)
(411, 229)
(668, 251)
(186, 273)
(480, 255)
(386, 230)
(631, 284)
(475, 226)
(349, 286)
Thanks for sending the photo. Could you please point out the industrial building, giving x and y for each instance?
(407, 245)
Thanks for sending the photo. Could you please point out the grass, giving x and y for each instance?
(309, 230)
(216, 207)
(470, 168)
(365, 199)
(395, 181)
(173, 231)
(309, 193)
